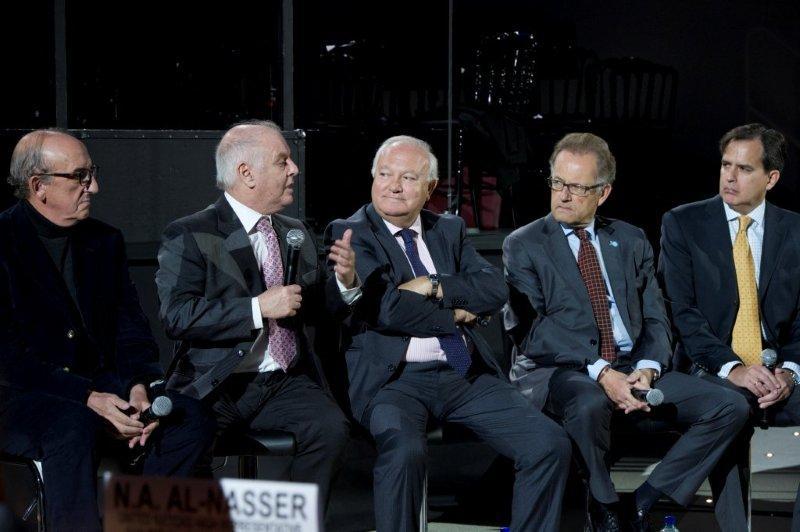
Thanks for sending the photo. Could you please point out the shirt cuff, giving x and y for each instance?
(349, 295)
(595, 369)
(793, 366)
(258, 320)
(726, 368)
(649, 364)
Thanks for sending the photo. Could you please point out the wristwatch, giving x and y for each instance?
(434, 279)
(795, 376)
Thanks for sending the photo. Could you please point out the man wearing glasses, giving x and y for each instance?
(76, 351)
(589, 326)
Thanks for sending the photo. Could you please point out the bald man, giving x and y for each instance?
(247, 344)
(76, 352)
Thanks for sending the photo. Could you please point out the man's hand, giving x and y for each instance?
(756, 378)
(642, 378)
(112, 408)
(421, 285)
(138, 400)
(344, 260)
(618, 389)
(786, 379)
(464, 316)
(280, 301)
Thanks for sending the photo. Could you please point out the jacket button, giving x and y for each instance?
(66, 369)
(71, 334)
(437, 328)
(215, 382)
(593, 341)
(391, 367)
(406, 338)
(241, 353)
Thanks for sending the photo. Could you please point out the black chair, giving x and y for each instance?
(248, 446)
(37, 504)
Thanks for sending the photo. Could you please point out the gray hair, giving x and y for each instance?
(238, 145)
(28, 160)
(433, 164)
(583, 143)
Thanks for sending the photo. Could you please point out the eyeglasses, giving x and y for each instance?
(573, 188)
(82, 175)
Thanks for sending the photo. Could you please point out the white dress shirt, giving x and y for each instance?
(755, 237)
(259, 358)
(621, 336)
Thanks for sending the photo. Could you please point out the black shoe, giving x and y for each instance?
(640, 521)
(603, 518)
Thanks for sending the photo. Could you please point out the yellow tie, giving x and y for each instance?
(747, 330)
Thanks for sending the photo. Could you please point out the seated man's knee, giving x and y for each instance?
(332, 429)
(590, 411)
(397, 437)
(75, 430)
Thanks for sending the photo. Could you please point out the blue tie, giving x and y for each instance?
(455, 350)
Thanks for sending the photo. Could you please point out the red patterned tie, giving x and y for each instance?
(596, 286)
(282, 346)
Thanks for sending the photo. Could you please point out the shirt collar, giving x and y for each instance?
(416, 226)
(571, 230)
(757, 214)
(246, 215)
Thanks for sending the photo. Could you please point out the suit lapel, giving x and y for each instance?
(85, 268)
(713, 236)
(237, 243)
(436, 243)
(774, 231)
(561, 255)
(399, 262)
(615, 268)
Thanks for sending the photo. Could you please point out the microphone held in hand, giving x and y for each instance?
(160, 407)
(769, 358)
(652, 397)
(294, 241)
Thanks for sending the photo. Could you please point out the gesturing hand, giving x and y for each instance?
(344, 259)
(280, 301)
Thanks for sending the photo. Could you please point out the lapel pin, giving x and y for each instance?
(613, 243)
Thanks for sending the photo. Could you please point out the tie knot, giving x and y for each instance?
(263, 225)
(407, 235)
(744, 223)
(582, 234)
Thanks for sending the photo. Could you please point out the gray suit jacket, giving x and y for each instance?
(206, 280)
(549, 315)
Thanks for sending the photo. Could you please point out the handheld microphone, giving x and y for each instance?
(769, 358)
(294, 240)
(160, 407)
(652, 397)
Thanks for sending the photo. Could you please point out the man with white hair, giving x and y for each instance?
(412, 353)
(246, 344)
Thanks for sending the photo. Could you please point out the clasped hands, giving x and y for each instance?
(770, 387)
(123, 416)
(617, 387)
(422, 286)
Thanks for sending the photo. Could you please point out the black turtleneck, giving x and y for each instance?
(56, 241)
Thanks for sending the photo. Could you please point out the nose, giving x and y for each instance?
(94, 187)
(292, 168)
(396, 183)
(564, 194)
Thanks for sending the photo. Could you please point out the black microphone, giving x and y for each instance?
(294, 240)
(769, 358)
(652, 397)
(160, 407)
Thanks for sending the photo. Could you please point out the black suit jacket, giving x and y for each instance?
(206, 280)
(699, 278)
(52, 344)
(549, 314)
(386, 318)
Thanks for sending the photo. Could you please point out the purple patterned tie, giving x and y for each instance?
(282, 346)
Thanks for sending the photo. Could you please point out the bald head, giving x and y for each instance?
(241, 144)
(38, 152)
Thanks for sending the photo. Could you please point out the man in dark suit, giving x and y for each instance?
(589, 326)
(730, 267)
(246, 343)
(76, 353)
(412, 353)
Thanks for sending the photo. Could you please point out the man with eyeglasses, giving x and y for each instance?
(730, 268)
(589, 326)
(76, 352)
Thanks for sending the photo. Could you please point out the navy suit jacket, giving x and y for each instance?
(385, 318)
(699, 278)
(51, 344)
(207, 277)
(549, 315)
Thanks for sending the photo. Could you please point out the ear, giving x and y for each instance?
(773, 177)
(432, 187)
(245, 174)
(37, 187)
(604, 195)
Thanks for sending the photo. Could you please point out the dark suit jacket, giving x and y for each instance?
(549, 314)
(207, 277)
(50, 344)
(697, 272)
(386, 318)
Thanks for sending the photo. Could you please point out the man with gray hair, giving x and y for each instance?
(590, 329)
(246, 344)
(76, 352)
(412, 353)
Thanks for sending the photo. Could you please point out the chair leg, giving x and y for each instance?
(38, 477)
(248, 467)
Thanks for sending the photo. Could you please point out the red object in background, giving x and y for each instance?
(489, 201)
